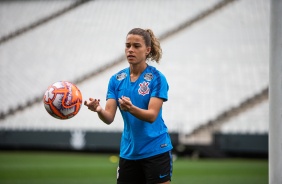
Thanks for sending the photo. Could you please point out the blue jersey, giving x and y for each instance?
(141, 139)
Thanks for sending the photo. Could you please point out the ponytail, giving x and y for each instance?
(156, 50)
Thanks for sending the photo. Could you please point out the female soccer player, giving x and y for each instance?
(139, 92)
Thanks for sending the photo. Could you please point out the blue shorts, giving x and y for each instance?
(152, 170)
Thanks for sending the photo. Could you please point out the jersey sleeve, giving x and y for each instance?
(111, 93)
(160, 87)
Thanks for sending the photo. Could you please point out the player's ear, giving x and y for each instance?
(148, 50)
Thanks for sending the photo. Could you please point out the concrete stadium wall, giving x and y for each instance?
(253, 145)
(224, 145)
(64, 140)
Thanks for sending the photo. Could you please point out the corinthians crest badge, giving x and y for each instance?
(144, 88)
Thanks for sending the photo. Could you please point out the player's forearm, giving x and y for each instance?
(105, 117)
(143, 114)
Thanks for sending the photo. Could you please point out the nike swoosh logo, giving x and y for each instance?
(162, 176)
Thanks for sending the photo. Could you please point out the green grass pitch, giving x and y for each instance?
(80, 168)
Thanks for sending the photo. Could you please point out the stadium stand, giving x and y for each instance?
(215, 59)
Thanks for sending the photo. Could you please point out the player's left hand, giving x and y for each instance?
(125, 103)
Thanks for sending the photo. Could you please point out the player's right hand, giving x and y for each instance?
(93, 105)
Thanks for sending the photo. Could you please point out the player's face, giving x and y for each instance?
(135, 49)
